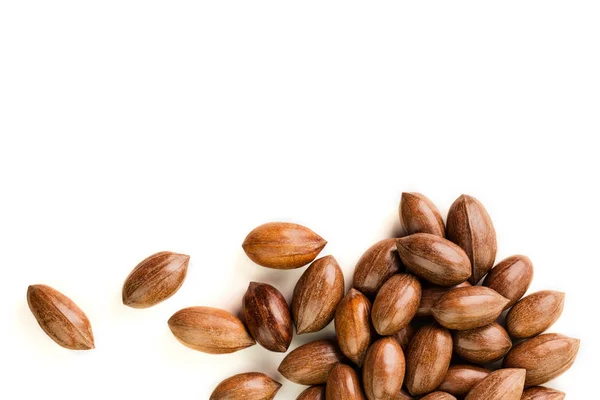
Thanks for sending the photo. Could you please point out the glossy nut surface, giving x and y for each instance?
(535, 313)
(267, 317)
(282, 245)
(376, 266)
(470, 226)
(61, 319)
(383, 372)
(544, 357)
(468, 307)
(511, 278)
(431, 294)
(434, 259)
(252, 385)
(482, 345)
(311, 363)
(460, 379)
(419, 215)
(503, 384)
(317, 294)
(396, 304)
(353, 325)
(428, 359)
(343, 384)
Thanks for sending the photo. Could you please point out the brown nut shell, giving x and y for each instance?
(210, 330)
(542, 393)
(470, 226)
(482, 345)
(311, 363)
(343, 384)
(431, 294)
(535, 313)
(376, 266)
(353, 325)
(511, 278)
(460, 379)
(396, 304)
(313, 393)
(317, 294)
(283, 245)
(251, 385)
(419, 215)
(544, 357)
(155, 279)
(427, 359)
(434, 259)
(61, 319)
(468, 307)
(383, 372)
(503, 384)
(267, 317)
(439, 396)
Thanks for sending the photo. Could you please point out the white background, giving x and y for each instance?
(131, 127)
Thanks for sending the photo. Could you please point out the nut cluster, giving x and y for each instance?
(423, 319)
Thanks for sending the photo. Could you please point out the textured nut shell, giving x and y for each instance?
(542, 393)
(405, 335)
(60, 318)
(313, 393)
(317, 294)
(470, 226)
(343, 384)
(155, 279)
(535, 313)
(434, 259)
(511, 278)
(353, 325)
(210, 330)
(376, 266)
(427, 359)
(482, 345)
(460, 379)
(503, 384)
(544, 357)
(267, 317)
(468, 307)
(404, 395)
(439, 396)
(283, 245)
(431, 294)
(396, 304)
(252, 385)
(311, 363)
(419, 215)
(383, 372)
